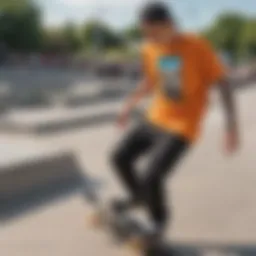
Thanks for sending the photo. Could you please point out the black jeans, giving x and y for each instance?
(164, 150)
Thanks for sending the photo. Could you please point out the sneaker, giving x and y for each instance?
(121, 206)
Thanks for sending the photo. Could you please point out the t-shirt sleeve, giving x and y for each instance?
(212, 67)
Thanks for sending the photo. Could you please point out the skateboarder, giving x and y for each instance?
(179, 70)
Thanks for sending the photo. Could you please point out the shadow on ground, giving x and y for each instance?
(204, 249)
(36, 198)
(49, 193)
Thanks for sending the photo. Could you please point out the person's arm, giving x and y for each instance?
(228, 101)
(143, 89)
(216, 73)
(229, 106)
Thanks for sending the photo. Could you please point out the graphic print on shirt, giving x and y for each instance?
(170, 72)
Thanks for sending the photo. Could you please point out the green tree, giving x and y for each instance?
(54, 41)
(97, 35)
(248, 41)
(20, 25)
(132, 33)
(227, 33)
(71, 37)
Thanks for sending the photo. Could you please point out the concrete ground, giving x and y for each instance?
(213, 195)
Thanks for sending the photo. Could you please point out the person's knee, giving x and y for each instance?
(118, 159)
(152, 187)
(160, 214)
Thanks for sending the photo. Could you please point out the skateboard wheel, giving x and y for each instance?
(136, 244)
(96, 220)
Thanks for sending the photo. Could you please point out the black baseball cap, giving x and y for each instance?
(156, 12)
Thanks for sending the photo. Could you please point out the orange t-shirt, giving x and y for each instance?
(182, 73)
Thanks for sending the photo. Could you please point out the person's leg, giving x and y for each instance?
(124, 157)
(168, 151)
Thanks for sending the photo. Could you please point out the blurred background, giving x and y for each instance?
(65, 68)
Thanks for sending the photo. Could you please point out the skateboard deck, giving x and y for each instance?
(101, 217)
(126, 230)
(130, 233)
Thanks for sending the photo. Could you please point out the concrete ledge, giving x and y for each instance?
(52, 120)
(25, 176)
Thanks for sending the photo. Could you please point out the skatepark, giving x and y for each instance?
(48, 150)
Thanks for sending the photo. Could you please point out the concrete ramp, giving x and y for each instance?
(24, 177)
(31, 175)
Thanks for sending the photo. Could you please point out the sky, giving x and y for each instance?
(191, 14)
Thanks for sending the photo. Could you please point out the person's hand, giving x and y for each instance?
(123, 119)
(232, 142)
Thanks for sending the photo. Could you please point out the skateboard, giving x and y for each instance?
(128, 232)
(102, 217)
(124, 229)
